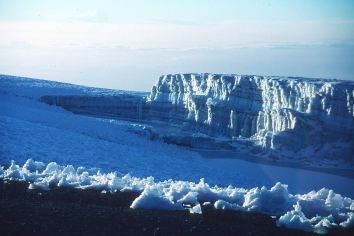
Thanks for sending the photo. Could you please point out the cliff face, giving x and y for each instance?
(113, 106)
(280, 113)
(276, 116)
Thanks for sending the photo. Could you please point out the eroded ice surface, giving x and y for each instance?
(310, 212)
(282, 118)
(286, 117)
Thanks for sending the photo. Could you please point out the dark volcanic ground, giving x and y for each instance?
(64, 211)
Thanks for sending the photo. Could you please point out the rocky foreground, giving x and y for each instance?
(64, 211)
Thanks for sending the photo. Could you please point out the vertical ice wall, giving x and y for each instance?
(279, 112)
(119, 105)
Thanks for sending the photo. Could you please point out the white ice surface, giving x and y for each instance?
(52, 146)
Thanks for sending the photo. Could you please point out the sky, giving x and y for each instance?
(129, 44)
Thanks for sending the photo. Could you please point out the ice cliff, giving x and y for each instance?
(279, 117)
(112, 106)
(282, 116)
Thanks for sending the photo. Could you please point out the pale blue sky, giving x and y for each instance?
(128, 44)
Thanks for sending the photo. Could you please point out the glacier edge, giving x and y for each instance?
(284, 116)
(280, 118)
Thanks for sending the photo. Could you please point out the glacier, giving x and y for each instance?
(279, 114)
(59, 148)
(280, 118)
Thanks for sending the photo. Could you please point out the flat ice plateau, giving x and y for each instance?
(46, 144)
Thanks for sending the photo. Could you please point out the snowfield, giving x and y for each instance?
(46, 145)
